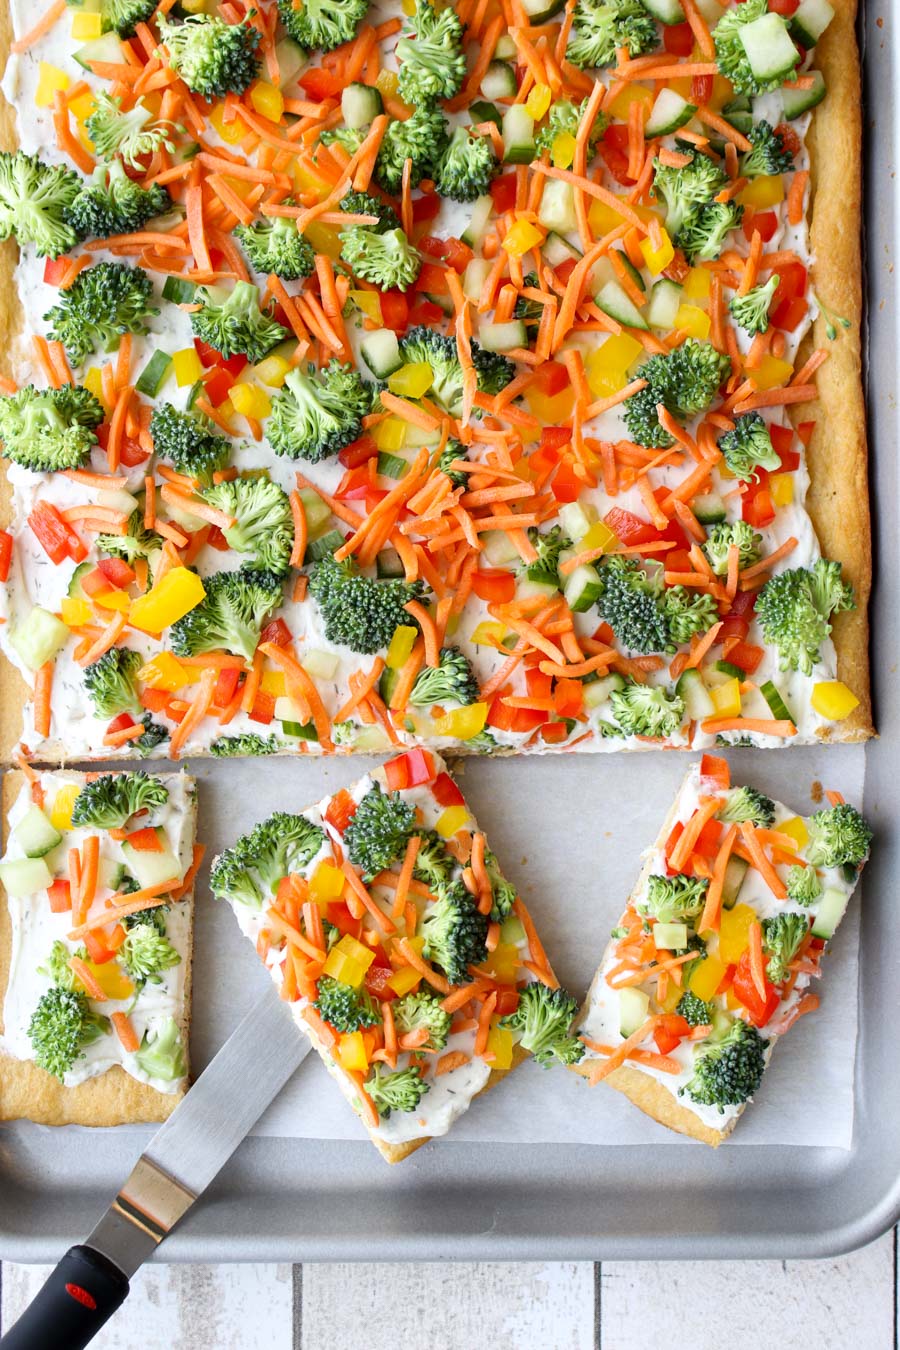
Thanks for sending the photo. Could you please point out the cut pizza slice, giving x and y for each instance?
(409, 959)
(712, 960)
(95, 946)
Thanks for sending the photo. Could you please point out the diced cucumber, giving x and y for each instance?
(499, 81)
(118, 500)
(498, 548)
(317, 511)
(665, 302)
(478, 221)
(668, 12)
(360, 105)
(829, 912)
(798, 101)
(739, 114)
(518, 135)
(321, 547)
(387, 684)
(38, 638)
(697, 702)
(669, 112)
(286, 710)
(598, 691)
(178, 291)
(777, 705)
(634, 1005)
(557, 250)
(670, 937)
(770, 51)
(303, 731)
(25, 876)
(483, 111)
(392, 466)
(557, 207)
(631, 269)
(111, 874)
(291, 58)
(506, 50)
(710, 11)
(574, 519)
(442, 301)
(381, 352)
(75, 591)
(107, 48)
(389, 563)
(735, 871)
(153, 376)
(612, 299)
(810, 20)
(503, 337)
(583, 588)
(35, 833)
(149, 868)
(709, 508)
(733, 672)
(512, 930)
(529, 587)
(476, 274)
(371, 741)
(322, 665)
(539, 11)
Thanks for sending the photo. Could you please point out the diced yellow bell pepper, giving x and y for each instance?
(796, 828)
(267, 100)
(93, 380)
(770, 373)
(832, 699)
(781, 486)
(451, 820)
(462, 723)
(762, 192)
(86, 27)
(82, 107)
(697, 284)
(500, 1045)
(74, 612)
(251, 401)
(522, 236)
(412, 380)
(368, 302)
(233, 132)
(657, 259)
(273, 682)
(503, 962)
(672, 998)
(632, 93)
(606, 367)
(598, 536)
(50, 79)
(351, 1052)
(727, 698)
(488, 634)
(390, 434)
(404, 980)
(61, 810)
(602, 217)
(179, 592)
(734, 933)
(552, 410)
(113, 599)
(111, 978)
(187, 367)
(272, 371)
(348, 961)
(386, 81)
(401, 645)
(193, 6)
(722, 90)
(310, 179)
(165, 671)
(706, 978)
(562, 151)
(694, 321)
(538, 101)
(326, 883)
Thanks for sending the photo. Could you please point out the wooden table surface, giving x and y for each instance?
(757, 1305)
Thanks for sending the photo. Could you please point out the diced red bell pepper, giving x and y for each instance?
(425, 312)
(59, 894)
(782, 438)
(745, 991)
(278, 633)
(629, 528)
(354, 485)
(433, 246)
(458, 254)
(565, 269)
(50, 530)
(550, 379)
(55, 269)
(726, 981)
(376, 982)
(805, 432)
(433, 279)
(744, 603)
(226, 686)
(568, 697)
(494, 584)
(6, 549)
(340, 811)
(357, 452)
(554, 733)
(409, 770)
(340, 916)
(709, 838)
(670, 1031)
(116, 571)
(701, 88)
(678, 560)
(733, 626)
(758, 510)
(537, 683)
(746, 655)
(792, 282)
(554, 438)
(97, 949)
(145, 840)
(263, 709)
(218, 386)
(94, 583)
(210, 357)
(445, 791)
(678, 39)
(120, 723)
(784, 7)
(507, 1000)
(320, 84)
(565, 485)
(132, 453)
(503, 191)
(426, 207)
(788, 315)
(765, 223)
(217, 540)
(154, 700)
(717, 770)
(614, 149)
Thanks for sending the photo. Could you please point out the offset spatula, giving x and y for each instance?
(91, 1280)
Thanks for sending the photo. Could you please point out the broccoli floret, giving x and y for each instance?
(703, 236)
(155, 917)
(483, 743)
(647, 710)
(467, 166)
(364, 204)
(400, 1091)
(104, 302)
(543, 1018)
(749, 447)
(746, 803)
(351, 138)
(112, 204)
(252, 868)
(454, 450)
(721, 538)
(316, 414)
(154, 734)
(503, 892)
(794, 610)
(387, 259)
(454, 932)
(548, 545)
(685, 382)
(417, 1011)
(782, 936)
(61, 1026)
(424, 344)
(564, 119)
(600, 26)
(430, 59)
(274, 244)
(125, 15)
(769, 155)
(248, 743)
(688, 612)
(804, 886)
(729, 1071)
(111, 682)
(529, 310)
(33, 200)
(47, 430)
(359, 612)
(630, 604)
(420, 139)
(238, 327)
(107, 802)
(322, 24)
(146, 952)
(686, 189)
(162, 1052)
(332, 934)
(731, 53)
(452, 680)
(694, 1010)
(344, 1007)
(838, 837)
(751, 311)
(189, 441)
(57, 968)
(345, 733)
(672, 899)
(137, 542)
(379, 831)
(230, 615)
(214, 58)
(131, 135)
(434, 865)
(263, 524)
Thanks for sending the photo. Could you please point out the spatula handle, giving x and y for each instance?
(81, 1295)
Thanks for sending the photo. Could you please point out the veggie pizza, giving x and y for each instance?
(407, 956)
(483, 377)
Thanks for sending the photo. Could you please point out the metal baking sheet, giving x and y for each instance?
(290, 1199)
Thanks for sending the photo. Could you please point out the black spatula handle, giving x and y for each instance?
(81, 1295)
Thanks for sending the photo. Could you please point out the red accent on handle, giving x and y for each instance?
(81, 1296)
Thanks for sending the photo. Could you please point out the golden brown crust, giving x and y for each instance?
(113, 1097)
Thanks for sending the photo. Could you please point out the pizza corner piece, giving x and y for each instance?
(407, 956)
(449, 377)
(95, 946)
(712, 961)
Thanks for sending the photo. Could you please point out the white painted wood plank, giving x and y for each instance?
(183, 1307)
(705, 1305)
(452, 1306)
